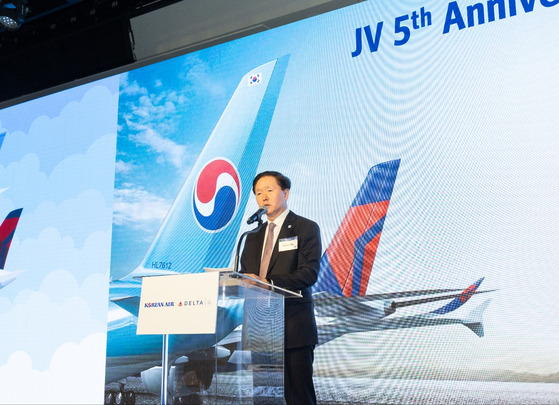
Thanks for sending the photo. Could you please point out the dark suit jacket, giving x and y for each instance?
(296, 270)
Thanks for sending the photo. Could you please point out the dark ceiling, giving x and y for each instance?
(64, 40)
(48, 19)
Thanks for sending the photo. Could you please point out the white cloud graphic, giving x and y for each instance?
(136, 207)
(167, 149)
(75, 375)
(61, 310)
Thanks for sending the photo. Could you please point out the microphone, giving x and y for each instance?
(256, 216)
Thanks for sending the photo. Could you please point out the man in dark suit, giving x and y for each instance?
(286, 252)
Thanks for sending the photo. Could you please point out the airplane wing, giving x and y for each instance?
(363, 314)
(359, 323)
(337, 316)
(333, 305)
(6, 277)
(130, 304)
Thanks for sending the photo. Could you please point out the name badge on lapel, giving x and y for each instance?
(287, 244)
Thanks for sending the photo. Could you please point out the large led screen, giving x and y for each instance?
(420, 136)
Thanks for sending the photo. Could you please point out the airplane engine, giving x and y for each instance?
(151, 379)
(188, 376)
(380, 309)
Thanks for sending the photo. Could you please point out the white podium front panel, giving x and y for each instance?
(181, 304)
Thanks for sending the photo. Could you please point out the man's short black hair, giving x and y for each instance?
(283, 181)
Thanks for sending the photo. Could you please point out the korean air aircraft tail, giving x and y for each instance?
(202, 225)
(346, 265)
(2, 135)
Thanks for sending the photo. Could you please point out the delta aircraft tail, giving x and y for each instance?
(346, 264)
(340, 294)
(7, 230)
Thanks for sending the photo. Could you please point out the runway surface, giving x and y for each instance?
(338, 391)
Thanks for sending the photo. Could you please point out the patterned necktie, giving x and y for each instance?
(267, 251)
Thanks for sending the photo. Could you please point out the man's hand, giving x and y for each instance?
(254, 276)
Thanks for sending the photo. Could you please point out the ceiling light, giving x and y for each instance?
(12, 14)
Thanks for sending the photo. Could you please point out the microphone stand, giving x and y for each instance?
(236, 266)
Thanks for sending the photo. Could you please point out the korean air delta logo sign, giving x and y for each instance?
(216, 195)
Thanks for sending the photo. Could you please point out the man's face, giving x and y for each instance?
(270, 195)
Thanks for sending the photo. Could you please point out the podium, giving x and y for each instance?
(242, 362)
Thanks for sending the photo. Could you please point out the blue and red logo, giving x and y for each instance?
(255, 79)
(216, 195)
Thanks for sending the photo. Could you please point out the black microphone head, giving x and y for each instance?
(256, 216)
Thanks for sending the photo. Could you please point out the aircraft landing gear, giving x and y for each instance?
(192, 379)
(192, 399)
(120, 397)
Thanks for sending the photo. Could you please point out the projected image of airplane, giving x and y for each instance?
(7, 230)
(340, 291)
(200, 231)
